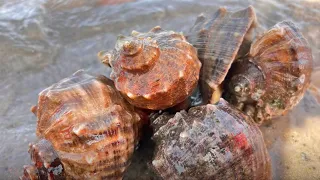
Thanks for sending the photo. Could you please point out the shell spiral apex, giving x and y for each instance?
(154, 70)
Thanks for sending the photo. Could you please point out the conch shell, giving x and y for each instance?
(210, 142)
(91, 127)
(154, 70)
(273, 78)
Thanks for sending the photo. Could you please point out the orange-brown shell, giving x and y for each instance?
(91, 127)
(285, 58)
(218, 40)
(155, 70)
(277, 72)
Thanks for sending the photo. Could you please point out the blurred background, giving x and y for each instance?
(43, 41)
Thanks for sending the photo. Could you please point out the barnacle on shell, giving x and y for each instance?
(273, 78)
(219, 38)
(90, 126)
(154, 70)
(209, 142)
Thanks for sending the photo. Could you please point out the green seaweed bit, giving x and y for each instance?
(277, 103)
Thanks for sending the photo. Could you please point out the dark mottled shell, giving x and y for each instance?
(46, 163)
(210, 142)
(154, 70)
(91, 127)
(275, 75)
(30, 172)
(218, 40)
(46, 159)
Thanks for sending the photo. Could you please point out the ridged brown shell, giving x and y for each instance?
(91, 127)
(275, 75)
(218, 39)
(210, 142)
(154, 70)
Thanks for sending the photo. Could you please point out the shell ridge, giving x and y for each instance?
(223, 52)
(218, 43)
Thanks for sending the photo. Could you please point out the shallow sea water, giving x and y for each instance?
(43, 41)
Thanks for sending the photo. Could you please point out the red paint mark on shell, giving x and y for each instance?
(241, 141)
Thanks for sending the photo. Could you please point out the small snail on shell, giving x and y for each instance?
(154, 70)
(91, 127)
(273, 78)
(210, 142)
(218, 40)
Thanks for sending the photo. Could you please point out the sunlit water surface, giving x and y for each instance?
(43, 41)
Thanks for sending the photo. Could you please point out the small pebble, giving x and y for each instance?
(304, 156)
